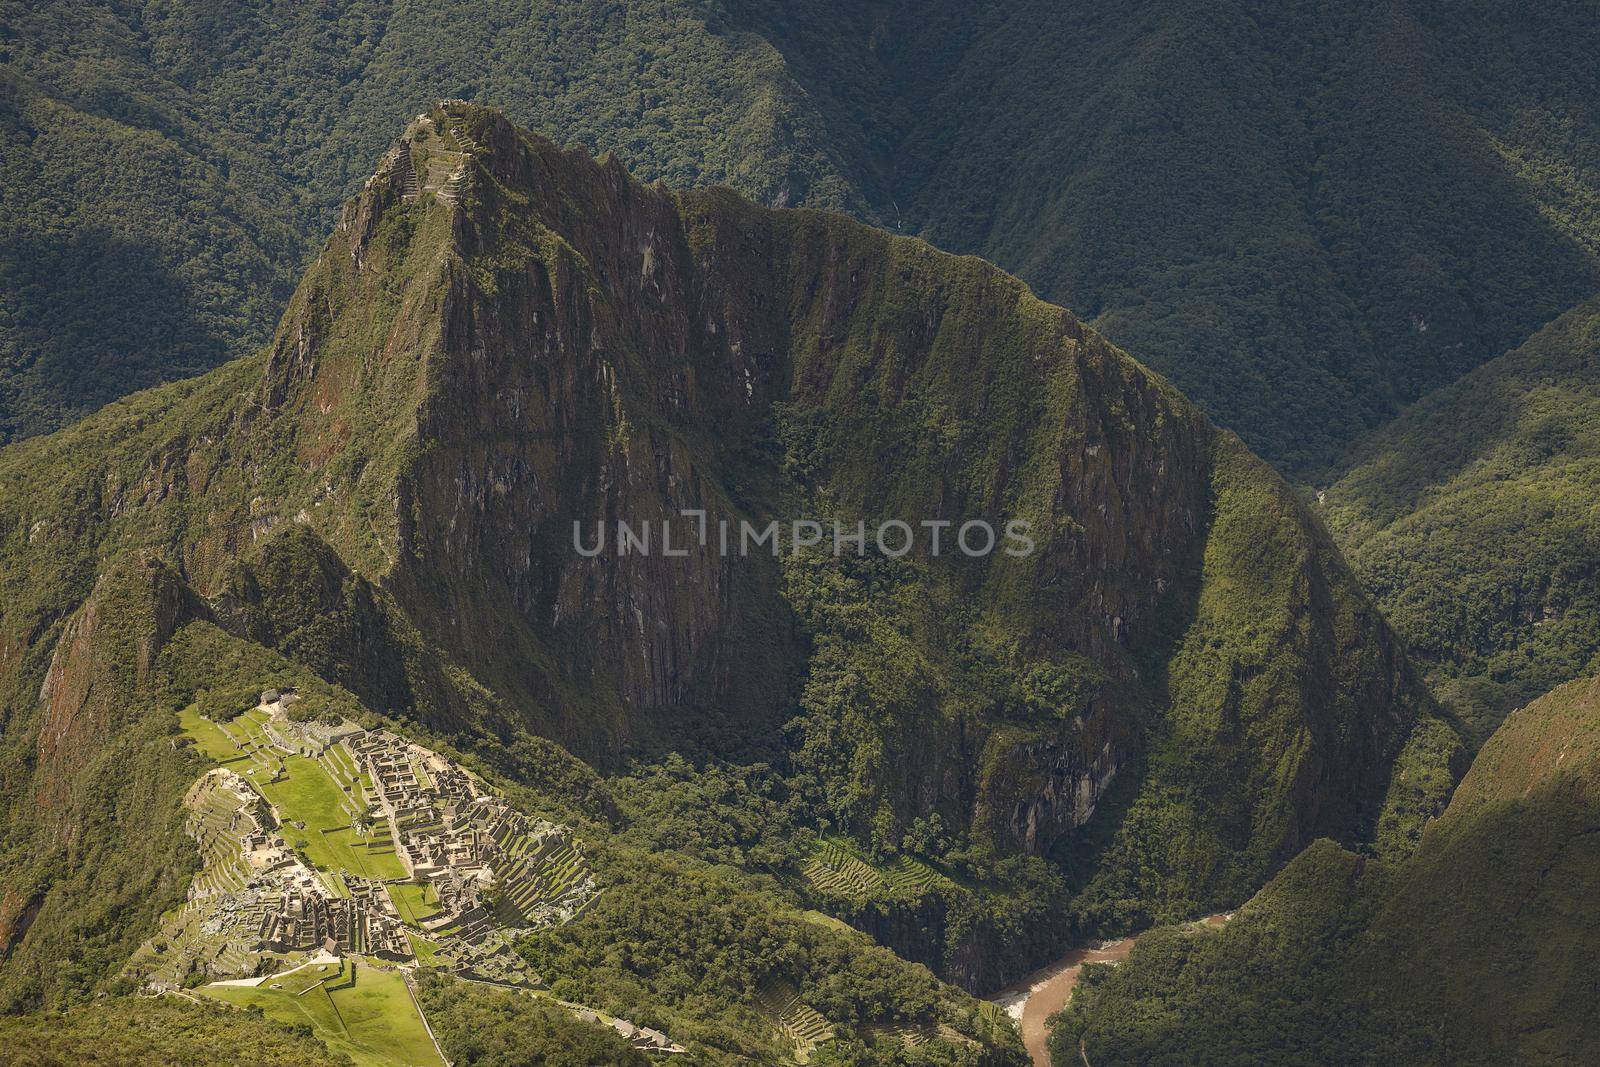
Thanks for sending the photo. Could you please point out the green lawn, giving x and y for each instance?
(358, 1009)
(426, 951)
(421, 772)
(822, 919)
(417, 903)
(209, 740)
(308, 795)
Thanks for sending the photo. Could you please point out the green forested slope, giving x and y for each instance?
(480, 1026)
(1472, 519)
(1478, 950)
(1305, 215)
(159, 1033)
(134, 248)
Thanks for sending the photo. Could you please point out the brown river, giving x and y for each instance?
(1044, 992)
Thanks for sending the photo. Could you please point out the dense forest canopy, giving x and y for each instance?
(1472, 519)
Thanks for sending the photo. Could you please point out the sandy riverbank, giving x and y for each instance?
(1046, 991)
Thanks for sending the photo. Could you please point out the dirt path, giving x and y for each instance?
(1033, 1000)
(316, 961)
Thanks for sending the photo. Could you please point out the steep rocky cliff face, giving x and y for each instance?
(1172, 693)
(93, 831)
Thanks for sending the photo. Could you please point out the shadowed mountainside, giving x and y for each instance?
(1471, 518)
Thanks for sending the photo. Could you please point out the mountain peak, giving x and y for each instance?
(434, 154)
(504, 341)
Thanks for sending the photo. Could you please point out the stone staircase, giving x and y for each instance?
(406, 172)
(447, 175)
(455, 181)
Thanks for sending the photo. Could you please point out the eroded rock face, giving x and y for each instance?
(17, 912)
(1070, 790)
(554, 343)
(102, 659)
(531, 431)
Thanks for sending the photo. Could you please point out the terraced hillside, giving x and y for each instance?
(837, 869)
(334, 861)
(536, 875)
(796, 1020)
(318, 836)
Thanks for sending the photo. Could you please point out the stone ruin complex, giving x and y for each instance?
(490, 867)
